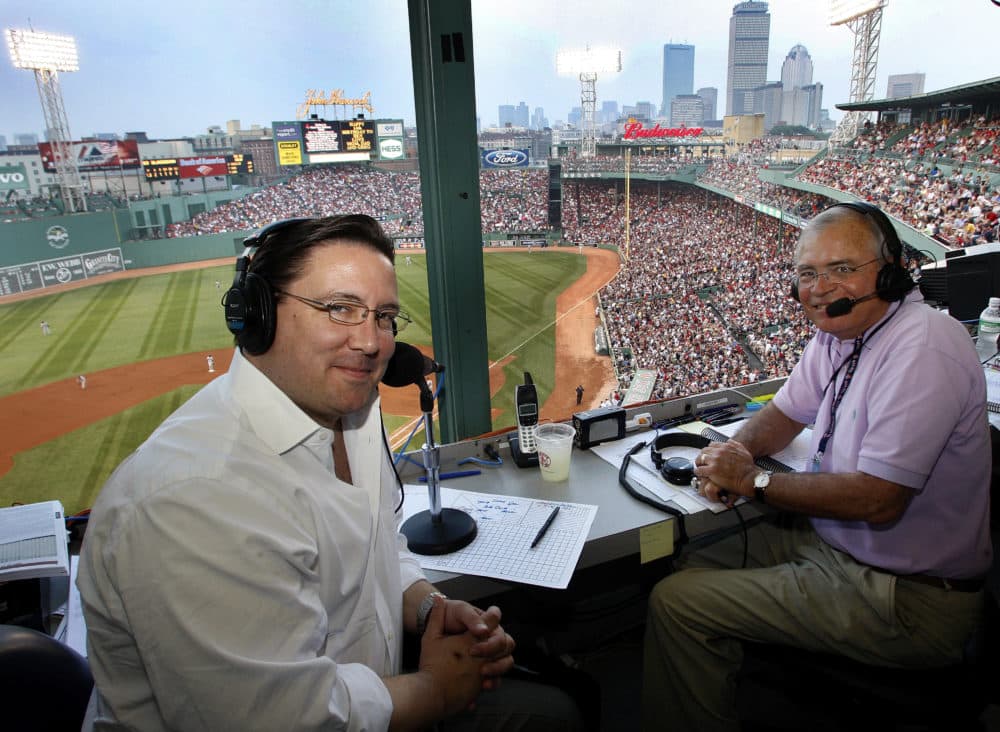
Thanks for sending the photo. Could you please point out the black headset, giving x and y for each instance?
(894, 280)
(677, 470)
(249, 302)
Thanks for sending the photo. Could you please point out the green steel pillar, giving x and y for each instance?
(445, 95)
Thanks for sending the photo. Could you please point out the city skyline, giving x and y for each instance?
(180, 69)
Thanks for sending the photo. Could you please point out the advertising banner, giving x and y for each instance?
(96, 155)
(505, 158)
(202, 167)
(289, 152)
(390, 128)
(390, 148)
(13, 177)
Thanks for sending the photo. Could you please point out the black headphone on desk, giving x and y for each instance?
(677, 470)
(893, 280)
(249, 302)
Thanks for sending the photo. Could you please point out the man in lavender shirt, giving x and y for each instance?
(882, 547)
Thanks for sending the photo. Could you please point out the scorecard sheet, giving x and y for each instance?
(506, 526)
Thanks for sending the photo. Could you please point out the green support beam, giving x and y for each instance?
(445, 97)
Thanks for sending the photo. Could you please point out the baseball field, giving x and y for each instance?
(142, 342)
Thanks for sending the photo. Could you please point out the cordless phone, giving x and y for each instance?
(524, 446)
(526, 398)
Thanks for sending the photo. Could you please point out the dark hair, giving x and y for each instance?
(282, 248)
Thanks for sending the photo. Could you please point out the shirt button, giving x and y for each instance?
(323, 436)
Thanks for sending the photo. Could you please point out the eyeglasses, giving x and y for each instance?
(347, 312)
(835, 275)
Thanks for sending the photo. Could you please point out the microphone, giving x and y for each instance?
(409, 366)
(845, 305)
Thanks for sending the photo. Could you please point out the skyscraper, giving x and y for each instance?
(797, 71)
(749, 34)
(801, 99)
(678, 73)
(710, 95)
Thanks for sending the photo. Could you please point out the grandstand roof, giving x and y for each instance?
(977, 91)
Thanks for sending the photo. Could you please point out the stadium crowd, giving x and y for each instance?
(937, 177)
(703, 297)
(514, 199)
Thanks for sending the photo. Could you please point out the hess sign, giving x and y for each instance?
(505, 159)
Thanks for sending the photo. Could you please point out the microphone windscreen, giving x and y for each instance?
(405, 367)
(839, 307)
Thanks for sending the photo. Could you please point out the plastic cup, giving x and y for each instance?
(555, 446)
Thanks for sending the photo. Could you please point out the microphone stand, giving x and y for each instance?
(439, 530)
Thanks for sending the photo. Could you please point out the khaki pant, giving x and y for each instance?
(796, 590)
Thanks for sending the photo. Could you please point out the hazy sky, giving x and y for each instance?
(173, 69)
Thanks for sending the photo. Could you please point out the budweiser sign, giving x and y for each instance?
(635, 131)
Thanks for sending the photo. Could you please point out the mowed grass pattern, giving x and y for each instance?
(131, 320)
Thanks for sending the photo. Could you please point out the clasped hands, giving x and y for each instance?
(725, 471)
(466, 649)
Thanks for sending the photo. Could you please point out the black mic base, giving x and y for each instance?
(454, 530)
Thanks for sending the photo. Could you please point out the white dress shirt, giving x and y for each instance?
(231, 582)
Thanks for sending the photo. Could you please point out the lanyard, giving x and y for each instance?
(852, 365)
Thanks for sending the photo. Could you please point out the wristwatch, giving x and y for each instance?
(760, 483)
(425, 609)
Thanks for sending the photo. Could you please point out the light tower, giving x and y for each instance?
(864, 18)
(47, 54)
(588, 63)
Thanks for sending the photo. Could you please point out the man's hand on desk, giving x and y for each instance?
(725, 471)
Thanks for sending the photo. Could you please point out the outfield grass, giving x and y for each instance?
(125, 321)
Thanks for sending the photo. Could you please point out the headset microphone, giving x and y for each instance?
(845, 305)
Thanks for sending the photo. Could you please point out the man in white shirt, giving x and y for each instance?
(243, 569)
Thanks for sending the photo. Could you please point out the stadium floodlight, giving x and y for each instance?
(864, 18)
(588, 63)
(844, 11)
(47, 54)
(32, 50)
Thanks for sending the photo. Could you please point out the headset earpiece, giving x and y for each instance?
(893, 280)
(249, 303)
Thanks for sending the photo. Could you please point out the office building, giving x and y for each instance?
(25, 138)
(687, 110)
(799, 105)
(905, 85)
(797, 70)
(538, 119)
(521, 115)
(767, 100)
(609, 112)
(749, 35)
(678, 73)
(710, 97)
(505, 115)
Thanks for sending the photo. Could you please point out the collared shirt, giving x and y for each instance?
(915, 414)
(230, 581)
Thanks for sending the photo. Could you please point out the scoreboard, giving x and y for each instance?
(239, 164)
(170, 168)
(161, 169)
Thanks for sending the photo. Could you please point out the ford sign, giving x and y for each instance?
(505, 159)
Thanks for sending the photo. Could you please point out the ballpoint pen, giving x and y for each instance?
(545, 527)
(454, 474)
